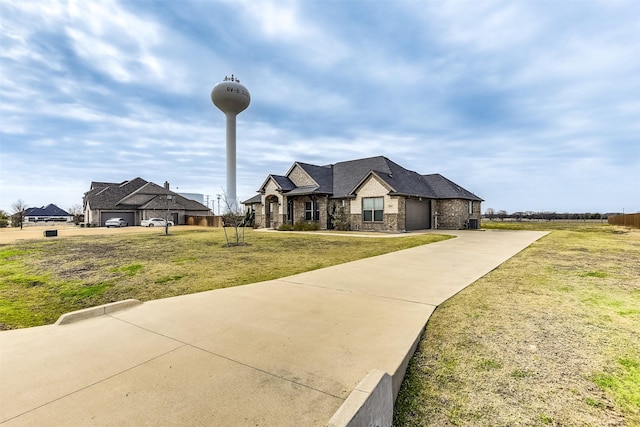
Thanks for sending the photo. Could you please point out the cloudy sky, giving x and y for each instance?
(532, 105)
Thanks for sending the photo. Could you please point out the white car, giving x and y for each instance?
(115, 222)
(155, 222)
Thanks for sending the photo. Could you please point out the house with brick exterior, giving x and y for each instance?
(135, 200)
(365, 194)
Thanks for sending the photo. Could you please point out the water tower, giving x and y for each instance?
(232, 98)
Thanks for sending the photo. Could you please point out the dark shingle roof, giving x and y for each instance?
(136, 193)
(283, 182)
(347, 175)
(322, 175)
(255, 199)
(304, 190)
(343, 179)
(447, 189)
(49, 210)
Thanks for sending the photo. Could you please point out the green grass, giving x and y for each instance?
(551, 337)
(42, 279)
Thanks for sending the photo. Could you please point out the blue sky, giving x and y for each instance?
(532, 105)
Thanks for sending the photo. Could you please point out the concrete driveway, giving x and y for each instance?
(286, 352)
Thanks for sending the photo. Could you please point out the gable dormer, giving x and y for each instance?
(300, 177)
(276, 183)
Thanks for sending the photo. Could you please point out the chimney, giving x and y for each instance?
(166, 185)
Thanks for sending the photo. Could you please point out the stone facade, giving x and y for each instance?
(453, 214)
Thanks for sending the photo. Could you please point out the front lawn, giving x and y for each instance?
(549, 338)
(40, 280)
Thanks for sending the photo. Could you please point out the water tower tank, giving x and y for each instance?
(230, 96)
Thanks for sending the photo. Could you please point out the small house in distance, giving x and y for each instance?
(135, 200)
(369, 194)
(47, 213)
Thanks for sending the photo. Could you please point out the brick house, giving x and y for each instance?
(135, 200)
(364, 194)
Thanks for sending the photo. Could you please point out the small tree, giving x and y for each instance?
(490, 213)
(233, 217)
(77, 212)
(19, 207)
(4, 219)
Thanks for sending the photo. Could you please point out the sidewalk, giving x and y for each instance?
(286, 352)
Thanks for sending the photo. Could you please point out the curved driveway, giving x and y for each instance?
(285, 352)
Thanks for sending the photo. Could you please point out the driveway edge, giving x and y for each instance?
(87, 313)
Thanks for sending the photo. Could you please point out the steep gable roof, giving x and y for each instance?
(347, 175)
(107, 195)
(402, 181)
(284, 184)
(322, 175)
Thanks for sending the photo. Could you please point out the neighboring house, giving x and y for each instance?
(366, 194)
(136, 200)
(47, 213)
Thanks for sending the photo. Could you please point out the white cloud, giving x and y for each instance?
(286, 27)
(516, 101)
(484, 26)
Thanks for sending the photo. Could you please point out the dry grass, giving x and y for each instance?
(551, 337)
(40, 280)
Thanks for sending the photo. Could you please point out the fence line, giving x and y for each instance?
(627, 220)
(203, 221)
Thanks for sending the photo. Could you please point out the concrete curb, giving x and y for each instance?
(87, 313)
(369, 404)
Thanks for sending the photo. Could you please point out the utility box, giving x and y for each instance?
(50, 233)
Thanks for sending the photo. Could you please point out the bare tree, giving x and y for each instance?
(233, 217)
(19, 207)
(77, 212)
(490, 213)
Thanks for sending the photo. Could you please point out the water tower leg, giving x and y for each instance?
(231, 161)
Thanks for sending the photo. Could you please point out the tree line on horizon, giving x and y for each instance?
(492, 214)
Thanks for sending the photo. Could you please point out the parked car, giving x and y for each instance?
(155, 222)
(115, 222)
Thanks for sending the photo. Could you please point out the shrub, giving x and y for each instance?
(285, 227)
(4, 223)
(306, 226)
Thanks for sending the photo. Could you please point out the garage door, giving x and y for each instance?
(418, 214)
(130, 217)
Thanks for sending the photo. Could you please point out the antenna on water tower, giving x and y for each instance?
(232, 98)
